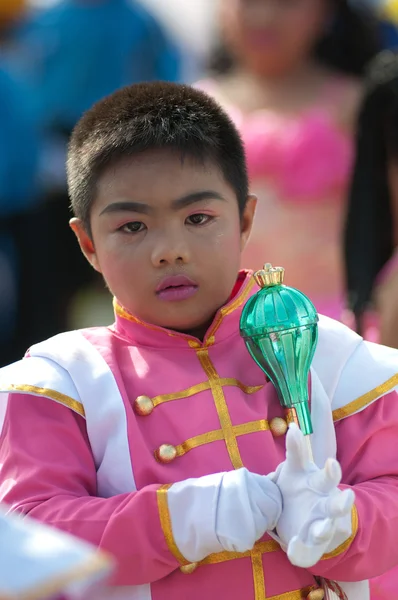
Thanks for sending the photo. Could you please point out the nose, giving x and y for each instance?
(170, 248)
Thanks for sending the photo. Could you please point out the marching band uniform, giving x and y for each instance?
(100, 423)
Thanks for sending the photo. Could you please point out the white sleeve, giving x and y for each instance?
(40, 377)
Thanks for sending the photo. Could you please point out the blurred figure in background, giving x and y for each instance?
(387, 15)
(72, 54)
(289, 75)
(10, 13)
(371, 232)
(193, 25)
(19, 156)
(78, 51)
(388, 12)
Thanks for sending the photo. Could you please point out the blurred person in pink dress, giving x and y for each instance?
(291, 83)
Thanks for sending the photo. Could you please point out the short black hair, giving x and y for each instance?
(369, 231)
(148, 116)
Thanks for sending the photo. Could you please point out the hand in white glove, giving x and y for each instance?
(226, 511)
(316, 515)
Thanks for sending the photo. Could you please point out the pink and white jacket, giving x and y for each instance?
(99, 423)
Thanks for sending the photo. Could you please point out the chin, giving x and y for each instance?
(277, 69)
(188, 325)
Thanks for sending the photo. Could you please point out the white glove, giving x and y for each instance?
(225, 511)
(316, 515)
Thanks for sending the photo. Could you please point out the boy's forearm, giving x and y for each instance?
(367, 452)
(371, 549)
(127, 526)
(48, 472)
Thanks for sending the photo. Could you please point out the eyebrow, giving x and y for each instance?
(145, 209)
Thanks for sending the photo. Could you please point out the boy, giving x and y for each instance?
(156, 438)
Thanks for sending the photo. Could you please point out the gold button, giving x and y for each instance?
(316, 595)
(143, 406)
(166, 453)
(278, 427)
(189, 569)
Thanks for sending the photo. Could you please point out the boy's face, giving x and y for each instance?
(167, 238)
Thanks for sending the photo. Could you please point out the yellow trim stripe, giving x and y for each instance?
(251, 427)
(218, 435)
(199, 440)
(296, 595)
(202, 387)
(345, 545)
(261, 547)
(195, 389)
(258, 574)
(122, 312)
(362, 401)
(221, 407)
(255, 555)
(246, 389)
(227, 310)
(53, 394)
(165, 522)
(79, 408)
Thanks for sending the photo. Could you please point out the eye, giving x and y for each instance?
(132, 227)
(199, 219)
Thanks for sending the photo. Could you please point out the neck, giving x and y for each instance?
(287, 92)
(303, 73)
(200, 331)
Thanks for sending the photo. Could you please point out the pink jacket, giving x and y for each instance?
(100, 422)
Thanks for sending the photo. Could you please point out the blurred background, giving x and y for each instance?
(312, 86)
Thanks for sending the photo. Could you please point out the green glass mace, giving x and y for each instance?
(280, 327)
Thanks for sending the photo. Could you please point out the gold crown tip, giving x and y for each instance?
(269, 276)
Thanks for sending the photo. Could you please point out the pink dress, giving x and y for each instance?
(299, 168)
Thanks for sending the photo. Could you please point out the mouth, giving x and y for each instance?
(263, 38)
(176, 288)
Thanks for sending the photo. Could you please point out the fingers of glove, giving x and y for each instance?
(343, 531)
(262, 485)
(297, 449)
(303, 555)
(274, 476)
(321, 531)
(340, 504)
(265, 500)
(325, 480)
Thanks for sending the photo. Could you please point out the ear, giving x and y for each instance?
(85, 242)
(247, 220)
